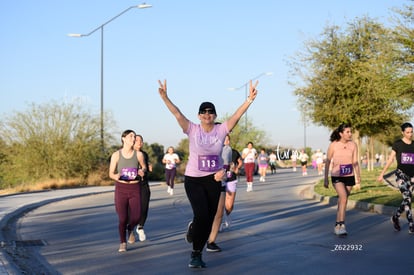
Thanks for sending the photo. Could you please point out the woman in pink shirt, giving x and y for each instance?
(204, 170)
(342, 161)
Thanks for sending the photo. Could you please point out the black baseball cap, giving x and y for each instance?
(207, 105)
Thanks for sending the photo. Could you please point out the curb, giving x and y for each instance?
(7, 266)
(309, 193)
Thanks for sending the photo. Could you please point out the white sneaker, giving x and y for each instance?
(141, 235)
(222, 226)
(227, 221)
(171, 191)
(340, 230)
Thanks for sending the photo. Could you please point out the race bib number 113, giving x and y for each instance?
(208, 163)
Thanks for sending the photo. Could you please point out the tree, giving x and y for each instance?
(244, 132)
(50, 141)
(404, 36)
(354, 77)
(155, 153)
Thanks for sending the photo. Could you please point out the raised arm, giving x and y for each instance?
(232, 121)
(181, 119)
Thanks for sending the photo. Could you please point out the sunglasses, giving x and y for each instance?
(207, 111)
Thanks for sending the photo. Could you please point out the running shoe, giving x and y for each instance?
(131, 238)
(396, 223)
(411, 228)
(222, 226)
(212, 247)
(122, 247)
(227, 221)
(189, 234)
(196, 261)
(141, 234)
(340, 230)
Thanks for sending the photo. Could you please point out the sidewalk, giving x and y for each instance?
(308, 193)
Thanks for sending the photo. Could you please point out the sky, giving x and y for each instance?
(202, 48)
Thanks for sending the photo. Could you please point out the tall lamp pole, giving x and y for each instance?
(101, 27)
(245, 85)
(304, 134)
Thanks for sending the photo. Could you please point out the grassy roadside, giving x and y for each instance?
(371, 190)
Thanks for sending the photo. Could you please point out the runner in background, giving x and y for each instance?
(403, 152)
(342, 158)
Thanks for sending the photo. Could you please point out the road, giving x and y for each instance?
(274, 231)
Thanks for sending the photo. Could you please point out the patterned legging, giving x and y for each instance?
(405, 186)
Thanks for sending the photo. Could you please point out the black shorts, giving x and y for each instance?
(303, 163)
(348, 181)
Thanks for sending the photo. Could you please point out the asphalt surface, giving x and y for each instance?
(279, 228)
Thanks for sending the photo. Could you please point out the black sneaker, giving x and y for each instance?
(196, 261)
(212, 247)
(189, 234)
(411, 228)
(396, 223)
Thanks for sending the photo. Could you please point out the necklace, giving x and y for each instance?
(344, 144)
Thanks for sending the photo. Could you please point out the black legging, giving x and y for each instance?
(203, 194)
(145, 199)
(170, 176)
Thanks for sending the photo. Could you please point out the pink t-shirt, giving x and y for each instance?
(342, 159)
(205, 149)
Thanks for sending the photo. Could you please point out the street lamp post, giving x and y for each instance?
(304, 134)
(101, 27)
(245, 85)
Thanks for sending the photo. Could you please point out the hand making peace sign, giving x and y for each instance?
(252, 90)
(163, 88)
